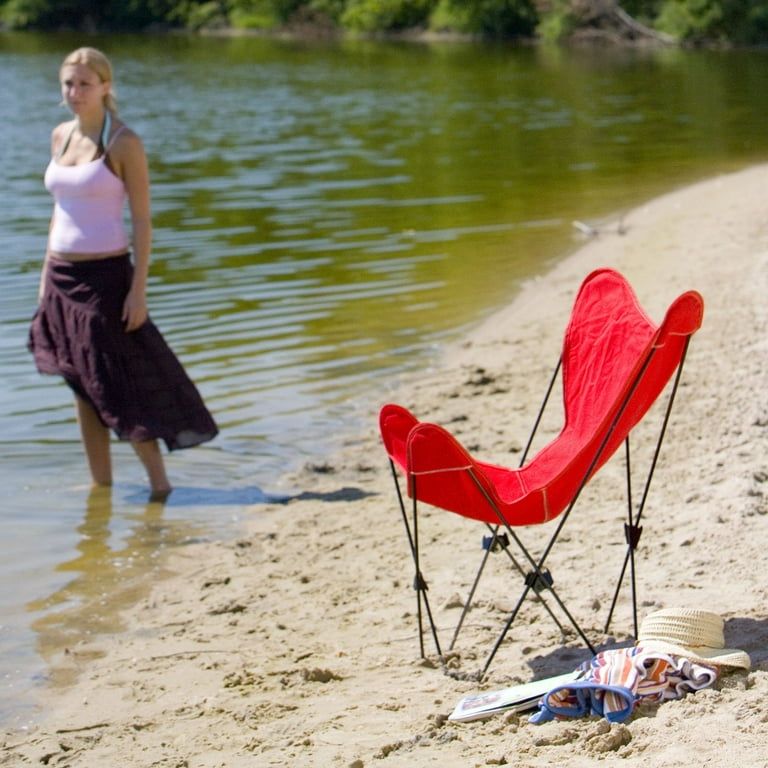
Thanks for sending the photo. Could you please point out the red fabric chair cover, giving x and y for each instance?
(615, 362)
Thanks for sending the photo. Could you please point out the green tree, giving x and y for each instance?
(487, 18)
(734, 21)
(737, 21)
(643, 10)
(86, 14)
(690, 19)
(386, 15)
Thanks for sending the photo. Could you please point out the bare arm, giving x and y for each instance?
(41, 287)
(130, 163)
(56, 139)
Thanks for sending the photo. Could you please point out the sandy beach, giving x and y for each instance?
(297, 643)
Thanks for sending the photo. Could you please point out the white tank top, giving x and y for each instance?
(88, 209)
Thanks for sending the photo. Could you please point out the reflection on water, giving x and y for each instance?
(104, 577)
(326, 216)
(117, 550)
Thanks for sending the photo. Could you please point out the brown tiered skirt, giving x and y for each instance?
(133, 381)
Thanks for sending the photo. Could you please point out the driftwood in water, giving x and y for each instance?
(605, 18)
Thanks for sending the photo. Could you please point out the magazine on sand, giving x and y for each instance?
(517, 698)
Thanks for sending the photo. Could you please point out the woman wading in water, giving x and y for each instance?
(92, 326)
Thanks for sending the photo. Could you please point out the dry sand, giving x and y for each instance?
(296, 645)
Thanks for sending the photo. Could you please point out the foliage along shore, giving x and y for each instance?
(669, 22)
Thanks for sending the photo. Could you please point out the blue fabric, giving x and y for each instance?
(588, 698)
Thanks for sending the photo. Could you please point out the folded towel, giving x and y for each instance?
(613, 682)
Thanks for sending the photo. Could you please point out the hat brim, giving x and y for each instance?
(716, 657)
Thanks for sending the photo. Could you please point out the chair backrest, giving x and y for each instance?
(616, 363)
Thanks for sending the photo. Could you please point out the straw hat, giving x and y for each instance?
(696, 635)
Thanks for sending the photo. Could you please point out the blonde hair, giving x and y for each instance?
(95, 60)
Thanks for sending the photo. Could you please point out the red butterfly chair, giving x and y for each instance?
(615, 363)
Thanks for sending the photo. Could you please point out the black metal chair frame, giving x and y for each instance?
(537, 579)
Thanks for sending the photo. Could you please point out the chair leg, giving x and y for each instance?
(472, 590)
(493, 543)
(510, 620)
(419, 583)
(538, 578)
(632, 528)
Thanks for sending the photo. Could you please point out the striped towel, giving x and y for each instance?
(615, 681)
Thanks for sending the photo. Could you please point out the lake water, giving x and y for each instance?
(326, 216)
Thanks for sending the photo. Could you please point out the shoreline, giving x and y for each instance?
(297, 644)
